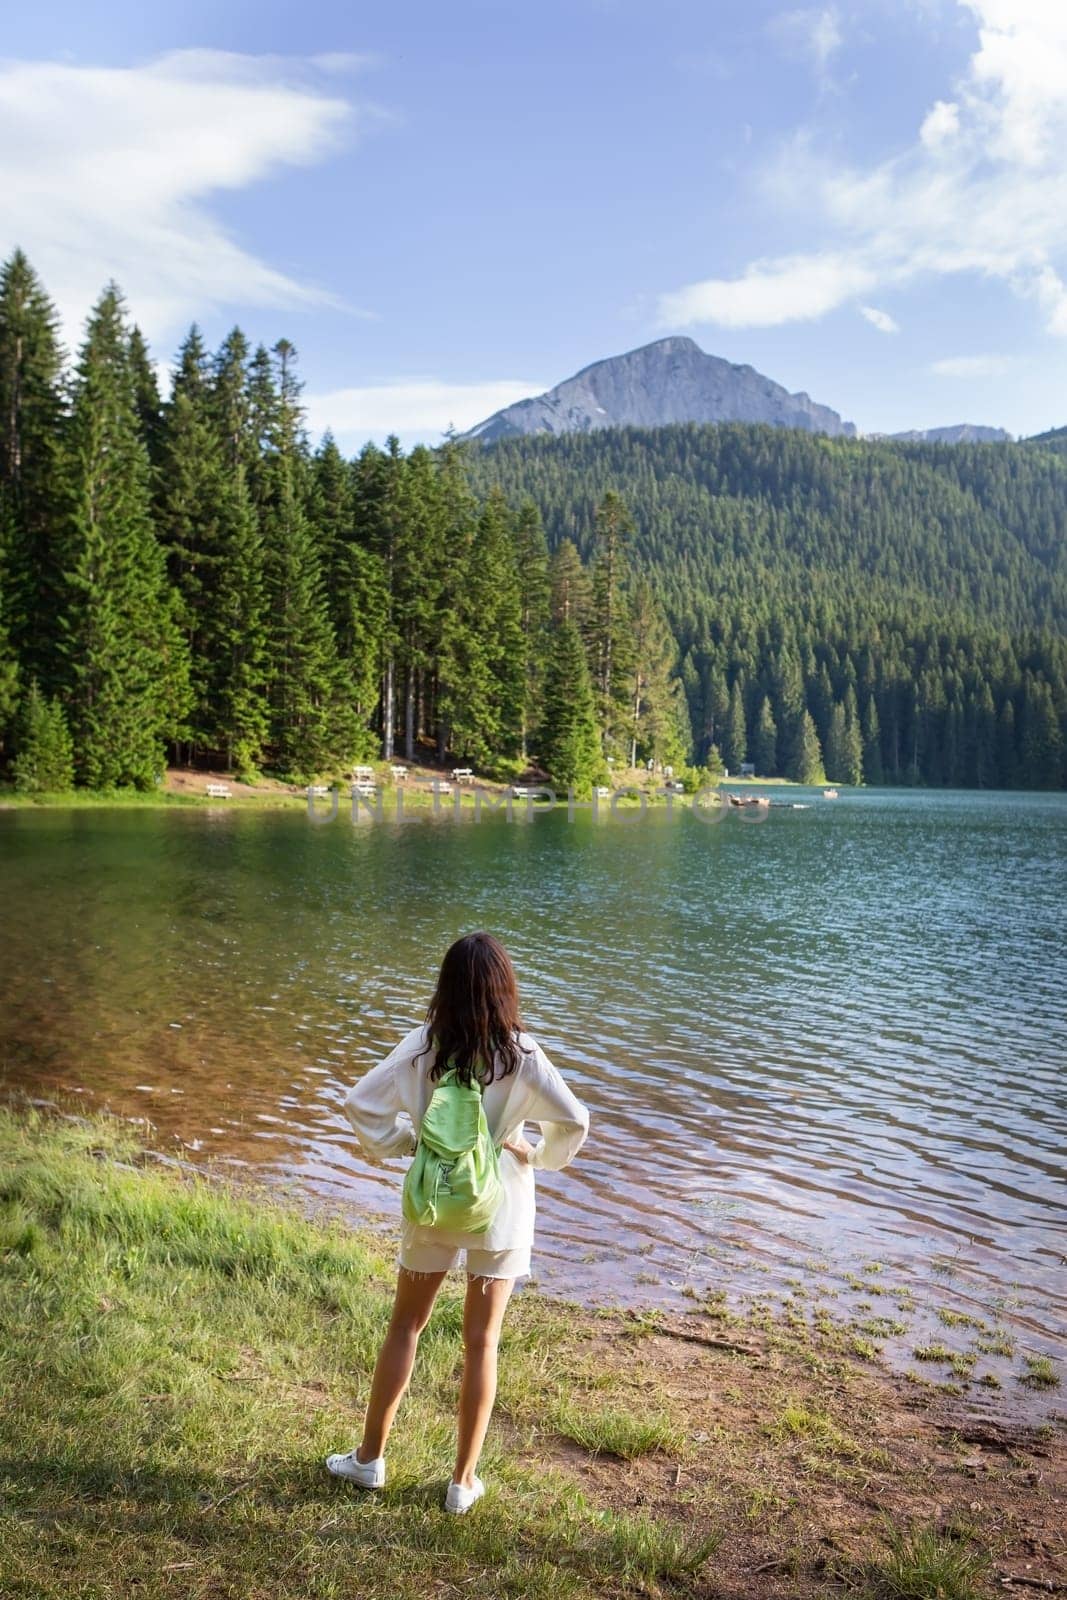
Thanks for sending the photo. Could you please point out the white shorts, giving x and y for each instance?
(443, 1257)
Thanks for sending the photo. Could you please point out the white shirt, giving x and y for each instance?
(387, 1106)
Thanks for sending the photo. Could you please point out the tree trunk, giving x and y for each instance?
(637, 719)
(409, 714)
(420, 704)
(388, 710)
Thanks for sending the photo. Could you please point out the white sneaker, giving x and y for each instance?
(459, 1498)
(367, 1474)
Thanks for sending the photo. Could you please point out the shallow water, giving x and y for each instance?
(827, 1042)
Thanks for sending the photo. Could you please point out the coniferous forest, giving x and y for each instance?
(188, 578)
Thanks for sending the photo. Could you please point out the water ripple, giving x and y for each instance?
(837, 1034)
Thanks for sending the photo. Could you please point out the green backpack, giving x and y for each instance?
(454, 1180)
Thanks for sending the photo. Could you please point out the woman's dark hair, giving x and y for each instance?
(473, 1017)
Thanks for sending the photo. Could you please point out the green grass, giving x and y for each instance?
(611, 1432)
(798, 1421)
(922, 1564)
(932, 1352)
(959, 1319)
(997, 1343)
(85, 799)
(1040, 1373)
(175, 1362)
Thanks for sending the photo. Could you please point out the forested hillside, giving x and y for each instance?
(186, 577)
(918, 591)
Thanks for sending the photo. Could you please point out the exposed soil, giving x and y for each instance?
(799, 1511)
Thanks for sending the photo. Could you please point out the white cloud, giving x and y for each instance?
(1051, 291)
(107, 172)
(982, 189)
(941, 122)
(812, 32)
(880, 319)
(971, 366)
(790, 289)
(412, 408)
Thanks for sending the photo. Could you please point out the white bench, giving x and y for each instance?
(365, 788)
(318, 788)
(462, 774)
(602, 793)
(399, 773)
(218, 791)
(362, 774)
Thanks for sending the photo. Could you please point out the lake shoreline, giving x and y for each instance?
(186, 788)
(190, 1320)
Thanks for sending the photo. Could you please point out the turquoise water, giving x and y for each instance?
(828, 1041)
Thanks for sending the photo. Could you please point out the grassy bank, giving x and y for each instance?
(186, 787)
(177, 1358)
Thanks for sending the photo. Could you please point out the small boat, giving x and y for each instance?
(829, 794)
(748, 800)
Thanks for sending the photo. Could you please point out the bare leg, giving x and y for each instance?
(483, 1314)
(415, 1295)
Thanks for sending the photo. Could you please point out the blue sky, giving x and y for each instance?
(447, 206)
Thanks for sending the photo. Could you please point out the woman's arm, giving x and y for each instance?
(563, 1120)
(374, 1108)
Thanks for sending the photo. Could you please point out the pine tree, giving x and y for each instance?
(482, 665)
(9, 672)
(571, 592)
(844, 748)
(658, 726)
(231, 404)
(1007, 752)
(147, 400)
(570, 742)
(734, 738)
(835, 745)
(45, 760)
(332, 510)
(872, 745)
(312, 723)
(190, 503)
(717, 710)
(435, 520)
(235, 701)
(981, 737)
(236, 686)
(765, 748)
(1041, 763)
(122, 661)
(790, 711)
(531, 565)
(821, 704)
(355, 583)
(806, 766)
(713, 764)
(31, 468)
(382, 513)
(609, 633)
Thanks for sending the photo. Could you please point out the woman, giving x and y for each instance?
(472, 1025)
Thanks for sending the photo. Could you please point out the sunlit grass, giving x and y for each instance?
(177, 1360)
(923, 1564)
(797, 1420)
(612, 1432)
(1040, 1373)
